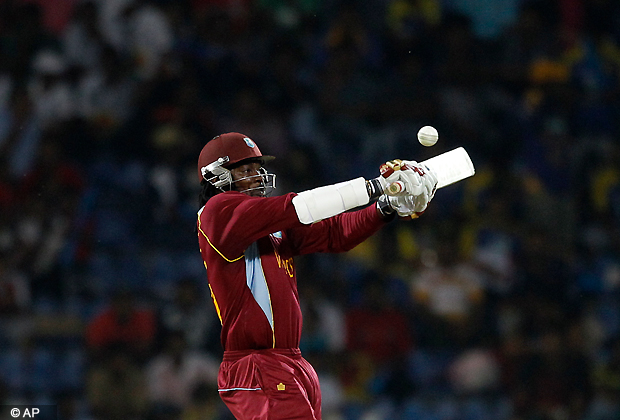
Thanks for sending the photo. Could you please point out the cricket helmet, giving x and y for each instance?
(225, 151)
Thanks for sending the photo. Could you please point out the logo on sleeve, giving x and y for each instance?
(249, 142)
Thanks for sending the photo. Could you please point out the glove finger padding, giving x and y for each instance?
(404, 205)
(420, 184)
(428, 178)
(429, 183)
(408, 205)
(403, 171)
(421, 202)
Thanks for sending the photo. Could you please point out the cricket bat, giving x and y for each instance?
(448, 167)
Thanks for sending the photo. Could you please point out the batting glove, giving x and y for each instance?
(429, 179)
(418, 182)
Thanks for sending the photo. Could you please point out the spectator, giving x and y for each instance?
(150, 36)
(324, 323)
(82, 40)
(116, 388)
(14, 290)
(28, 368)
(23, 36)
(204, 405)
(606, 401)
(49, 90)
(173, 375)
(21, 135)
(376, 328)
(191, 314)
(122, 324)
(449, 296)
(475, 372)
(106, 93)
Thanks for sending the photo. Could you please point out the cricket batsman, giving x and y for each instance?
(248, 241)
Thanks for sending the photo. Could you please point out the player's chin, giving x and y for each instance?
(256, 193)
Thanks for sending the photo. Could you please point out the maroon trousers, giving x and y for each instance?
(269, 384)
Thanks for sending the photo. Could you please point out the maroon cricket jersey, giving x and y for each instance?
(248, 244)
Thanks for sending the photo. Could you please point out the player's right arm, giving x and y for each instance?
(232, 221)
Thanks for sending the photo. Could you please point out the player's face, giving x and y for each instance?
(247, 179)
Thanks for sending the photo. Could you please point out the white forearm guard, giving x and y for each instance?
(323, 202)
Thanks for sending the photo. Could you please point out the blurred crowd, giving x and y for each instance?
(502, 302)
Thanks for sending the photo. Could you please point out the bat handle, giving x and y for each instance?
(395, 187)
(379, 185)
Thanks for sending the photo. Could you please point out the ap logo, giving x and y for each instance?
(27, 413)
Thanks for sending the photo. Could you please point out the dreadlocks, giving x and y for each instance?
(207, 190)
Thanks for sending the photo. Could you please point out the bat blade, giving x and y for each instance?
(448, 167)
(451, 167)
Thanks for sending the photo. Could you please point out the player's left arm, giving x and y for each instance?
(340, 233)
(346, 230)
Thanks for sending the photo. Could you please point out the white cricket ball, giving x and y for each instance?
(427, 136)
